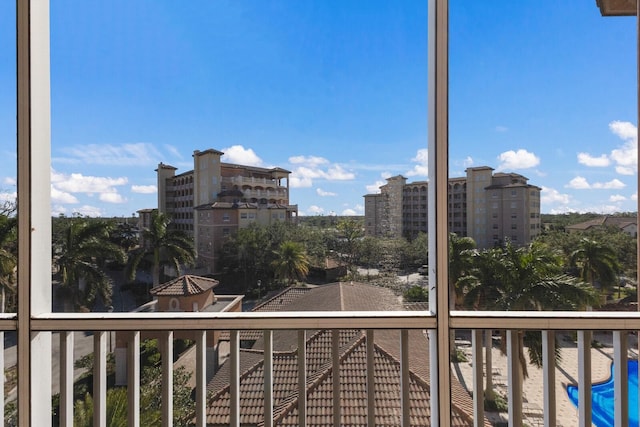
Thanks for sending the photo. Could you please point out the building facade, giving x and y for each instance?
(489, 207)
(215, 199)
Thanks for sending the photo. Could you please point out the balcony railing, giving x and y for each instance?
(519, 411)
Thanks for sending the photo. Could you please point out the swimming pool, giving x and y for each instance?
(602, 398)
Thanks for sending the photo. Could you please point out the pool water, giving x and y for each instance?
(602, 398)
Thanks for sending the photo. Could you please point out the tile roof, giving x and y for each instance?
(338, 296)
(184, 285)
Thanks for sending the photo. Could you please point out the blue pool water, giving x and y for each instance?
(602, 398)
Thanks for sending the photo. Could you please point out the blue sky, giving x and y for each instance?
(334, 91)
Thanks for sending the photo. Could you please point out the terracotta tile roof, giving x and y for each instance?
(339, 296)
(184, 285)
(320, 388)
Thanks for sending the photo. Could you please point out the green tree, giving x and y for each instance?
(8, 260)
(596, 263)
(461, 251)
(161, 246)
(349, 232)
(291, 262)
(79, 255)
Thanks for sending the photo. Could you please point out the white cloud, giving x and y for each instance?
(308, 160)
(78, 183)
(173, 151)
(9, 181)
(8, 196)
(625, 130)
(624, 157)
(312, 167)
(135, 154)
(144, 189)
(617, 198)
(315, 210)
(467, 162)
(422, 160)
(588, 160)
(323, 193)
(240, 155)
(578, 183)
(300, 181)
(634, 196)
(581, 183)
(375, 187)
(521, 159)
(87, 210)
(614, 184)
(112, 198)
(552, 196)
(356, 210)
(58, 196)
(501, 129)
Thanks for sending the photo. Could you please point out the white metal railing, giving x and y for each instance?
(549, 322)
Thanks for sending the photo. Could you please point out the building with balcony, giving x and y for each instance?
(488, 207)
(215, 199)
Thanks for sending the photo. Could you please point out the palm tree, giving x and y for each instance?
(78, 255)
(596, 262)
(291, 262)
(460, 262)
(161, 245)
(525, 278)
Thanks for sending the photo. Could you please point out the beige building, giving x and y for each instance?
(489, 207)
(215, 199)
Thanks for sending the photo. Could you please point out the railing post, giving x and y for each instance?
(620, 379)
(514, 378)
(549, 373)
(335, 358)
(405, 384)
(584, 378)
(302, 378)
(201, 378)
(100, 379)
(371, 380)
(234, 375)
(66, 379)
(167, 378)
(268, 378)
(478, 383)
(133, 379)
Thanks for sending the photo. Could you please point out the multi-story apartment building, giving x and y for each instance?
(489, 207)
(215, 199)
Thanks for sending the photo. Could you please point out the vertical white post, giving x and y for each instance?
(371, 380)
(514, 379)
(234, 383)
(584, 378)
(437, 125)
(201, 378)
(478, 379)
(166, 342)
(549, 374)
(620, 379)
(268, 378)
(335, 357)
(405, 384)
(34, 210)
(66, 379)
(302, 378)
(133, 379)
(100, 379)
